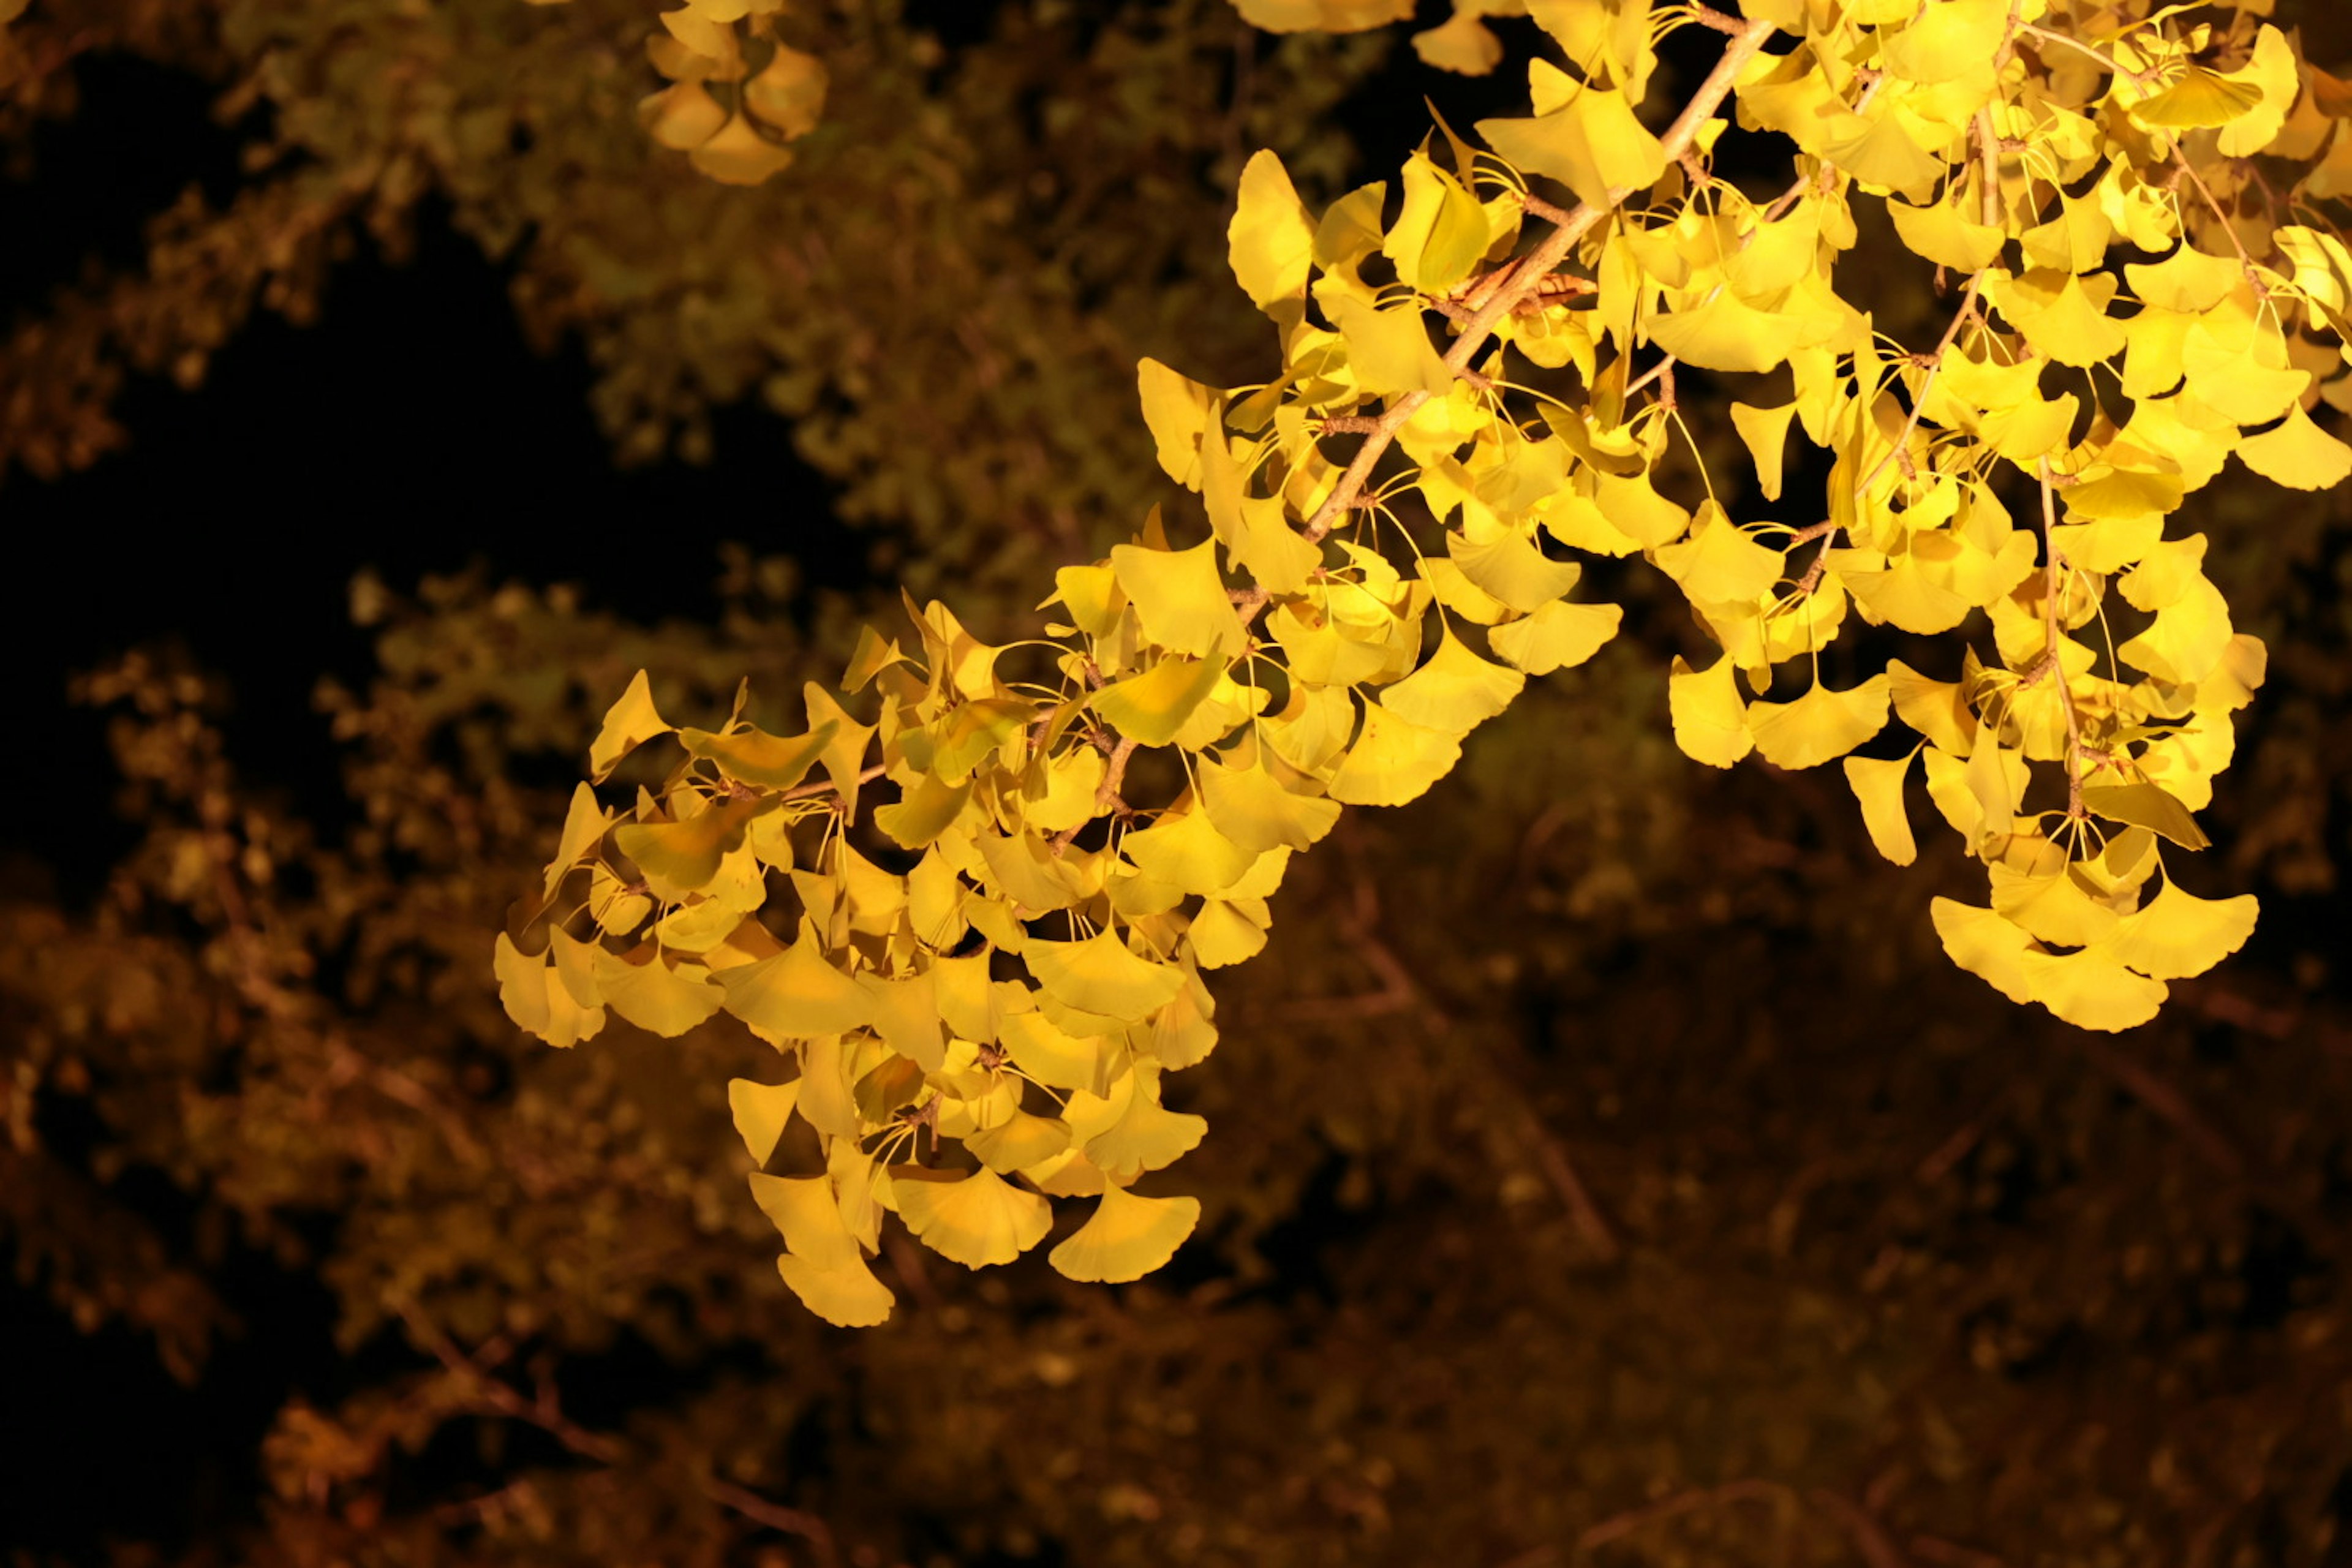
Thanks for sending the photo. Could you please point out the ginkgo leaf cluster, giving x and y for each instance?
(982, 946)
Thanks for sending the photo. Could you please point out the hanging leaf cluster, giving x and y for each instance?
(733, 119)
(973, 901)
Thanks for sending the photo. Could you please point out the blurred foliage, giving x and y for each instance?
(1671, 1201)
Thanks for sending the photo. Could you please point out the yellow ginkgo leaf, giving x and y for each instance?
(2238, 373)
(1180, 597)
(2053, 906)
(788, 93)
(2146, 806)
(1936, 709)
(2091, 990)
(796, 993)
(1557, 636)
(1177, 410)
(1765, 432)
(1145, 1137)
(1592, 144)
(1220, 936)
(654, 996)
(628, 724)
(1392, 760)
(1102, 974)
(754, 757)
(1721, 562)
(682, 116)
(1455, 693)
(2068, 324)
(760, 1111)
(1509, 567)
(1941, 42)
(1050, 1054)
(1879, 785)
(1819, 725)
(2187, 282)
(2298, 453)
(584, 822)
(1258, 812)
(1634, 508)
(1942, 234)
(848, 1296)
(1127, 1237)
(2198, 99)
(739, 155)
(807, 1211)
(1322, 15)
(1728, 333)
(1710, 722)
(1389, 350)
(1271, 233)
(1019, 1141)
(972, 1218)
(1188, 852)
(917, 818)
(2178, 934)
(1984, 944)
(907, 1016)
(1881, 151)
(1151, 707)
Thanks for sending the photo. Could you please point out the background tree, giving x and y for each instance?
(1772, 1279)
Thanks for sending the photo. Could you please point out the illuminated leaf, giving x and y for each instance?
(975, 1218)
(1019, 1141)
(1766, 433)
(1510, 568)
(2178, 935)
(1455, 693)
(754, 757)
(654, 996)
(1710, 722)
(1984, 944)
(584, 822)
(1180, 597)
(1392, 760)
(1819, 725)
(1721, 562)
(2298, 453)
(1102, 974)
(1177, 410)
(760, 1111)
(739, 155)
(1879, 785)
(1127, 1237)
(1389, 350)
(848, 1296)
(628, 724)
(1556, 637)
(2146, 806)
(1188, 852)
(1145, 1137)
(796, 995)
(1592, 144)
(2091, 990)
(788, 92)
(1151, 707)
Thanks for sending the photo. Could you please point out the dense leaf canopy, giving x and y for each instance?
(1603, 1159)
